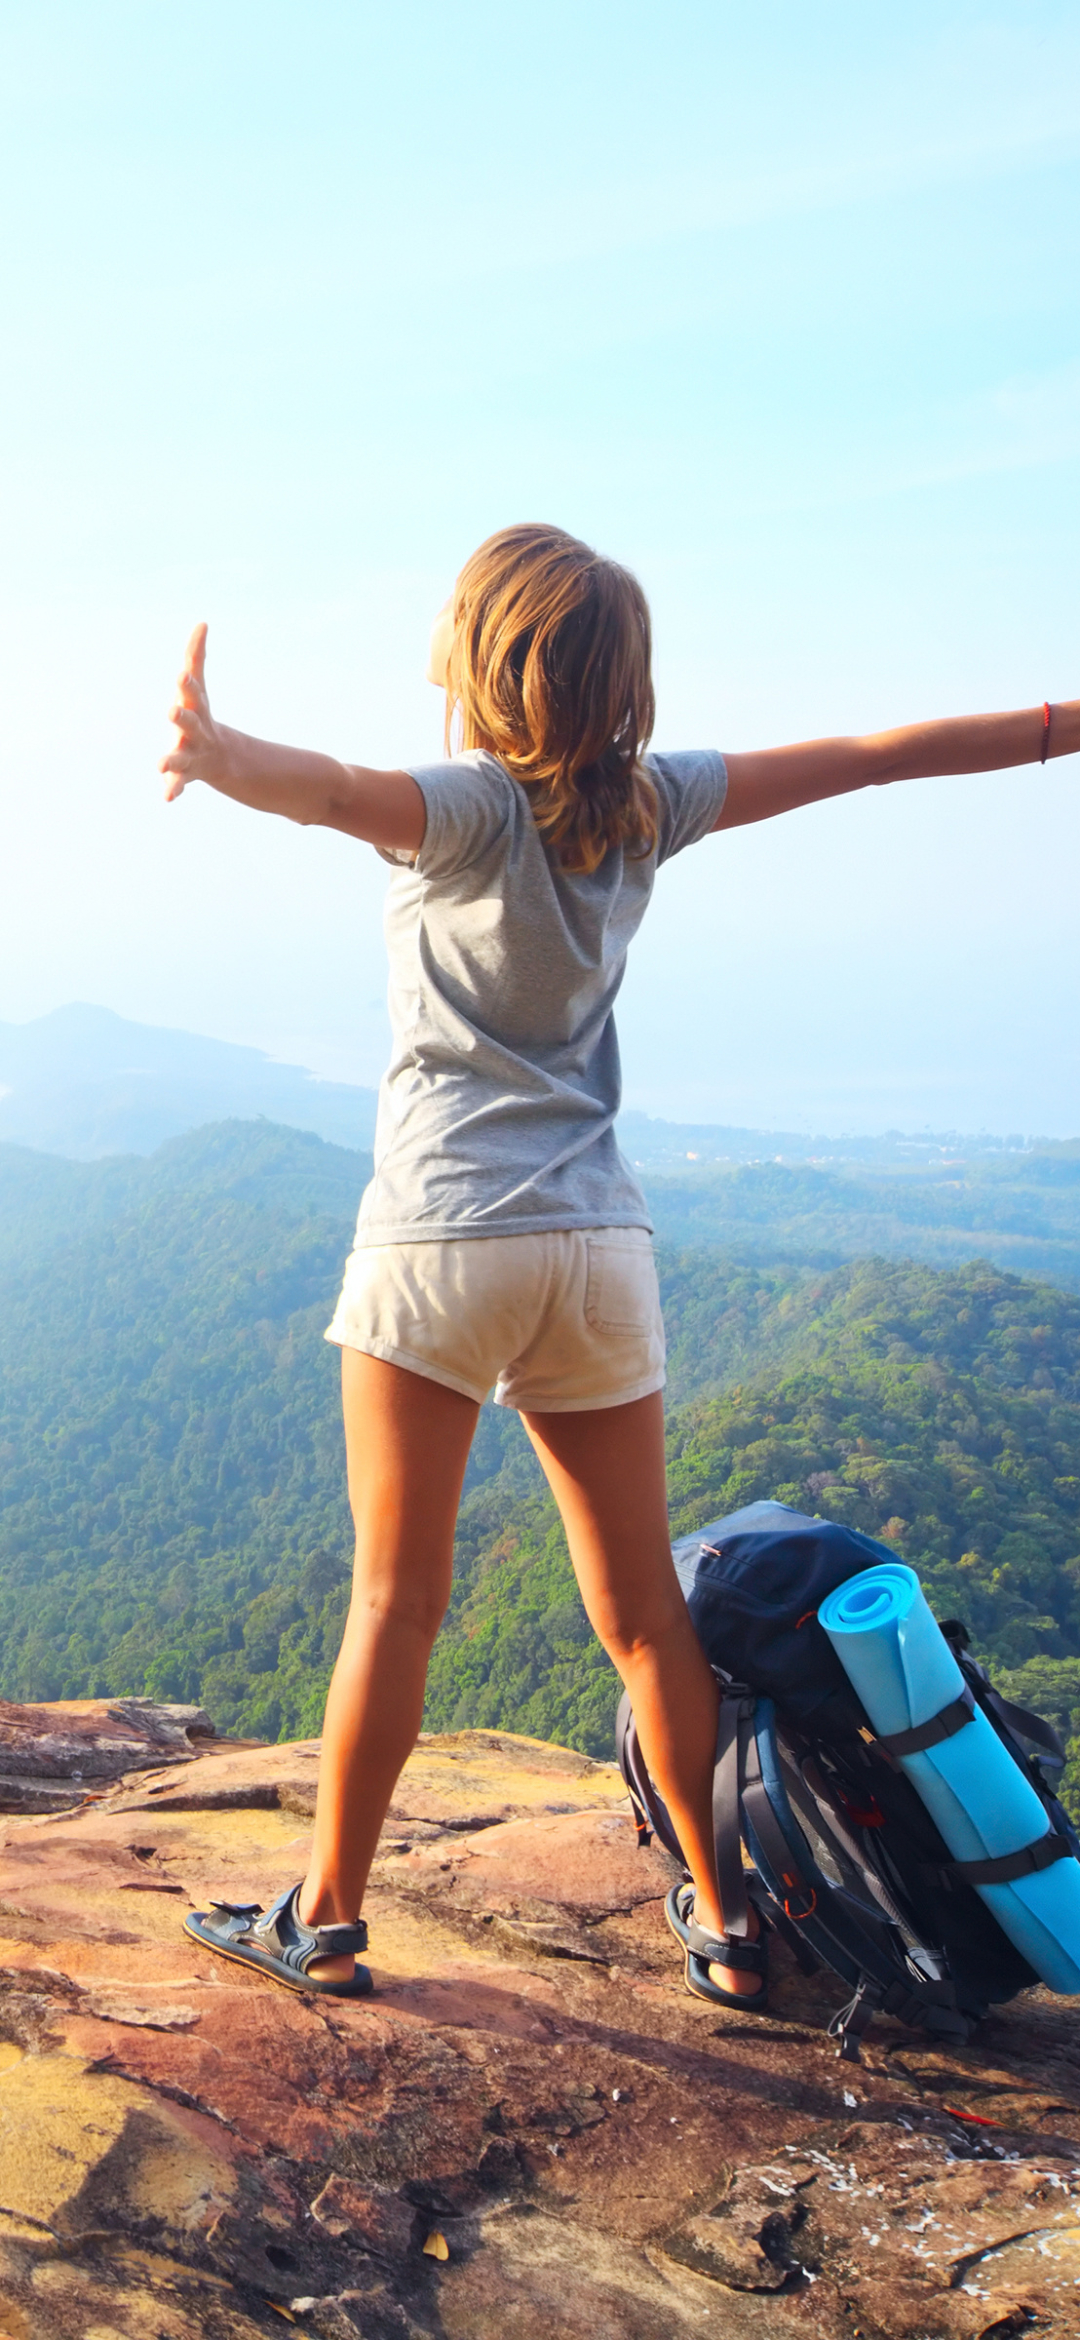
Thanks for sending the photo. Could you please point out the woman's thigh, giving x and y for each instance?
(407, 1442)
(606, 1472)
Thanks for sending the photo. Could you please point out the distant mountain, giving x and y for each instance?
(672, 1145)
(87, 1083)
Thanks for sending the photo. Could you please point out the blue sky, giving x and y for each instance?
(778, 305)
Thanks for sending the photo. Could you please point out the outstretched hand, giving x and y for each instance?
(199, 742)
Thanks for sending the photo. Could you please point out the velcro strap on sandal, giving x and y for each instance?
(944, 1725)
(337, 1940)
(741, 1957)
(1008, 1866)
(241, 1909)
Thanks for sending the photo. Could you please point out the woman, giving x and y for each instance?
(503, 1240)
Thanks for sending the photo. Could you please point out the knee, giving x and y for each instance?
(629, 1638)
(392, 1609)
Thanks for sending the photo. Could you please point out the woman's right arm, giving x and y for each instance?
(382, 808)
(778, 780)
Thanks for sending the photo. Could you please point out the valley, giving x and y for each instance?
(172, 1514)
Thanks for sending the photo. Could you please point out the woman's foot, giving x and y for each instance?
(738, 1979)
(277, 1942)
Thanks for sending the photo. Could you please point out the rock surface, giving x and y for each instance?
(530, 2133)
(55, 1757)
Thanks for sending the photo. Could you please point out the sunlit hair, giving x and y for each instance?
(550, 668)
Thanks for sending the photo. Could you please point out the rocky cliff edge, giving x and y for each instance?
(530, 2133)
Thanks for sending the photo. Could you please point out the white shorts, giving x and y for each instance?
(557, 1322)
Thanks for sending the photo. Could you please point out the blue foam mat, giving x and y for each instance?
(897, 1659)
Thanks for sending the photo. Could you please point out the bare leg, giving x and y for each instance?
(606, 1472)
(407, 1442)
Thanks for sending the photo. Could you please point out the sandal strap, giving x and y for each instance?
(288, 1937)
(726, 1950)
(334, 1941)
(239, 1909)
(700, 1985)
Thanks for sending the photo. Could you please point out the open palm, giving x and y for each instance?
(199, 743)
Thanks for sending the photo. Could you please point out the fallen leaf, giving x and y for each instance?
(436, 2246)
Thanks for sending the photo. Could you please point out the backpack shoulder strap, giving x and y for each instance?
(729, 1774)
(775, 1846)
(626, 1757)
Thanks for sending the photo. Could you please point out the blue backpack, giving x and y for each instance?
(845, 1862)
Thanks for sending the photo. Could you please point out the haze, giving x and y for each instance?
(779, 306)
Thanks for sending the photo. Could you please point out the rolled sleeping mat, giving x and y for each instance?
(899, 1663)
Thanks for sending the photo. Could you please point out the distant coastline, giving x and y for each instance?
(86, 1083)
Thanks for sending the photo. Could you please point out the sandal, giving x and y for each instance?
(703, 1950)
(278, 1943)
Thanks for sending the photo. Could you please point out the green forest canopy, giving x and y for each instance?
(172, 1511)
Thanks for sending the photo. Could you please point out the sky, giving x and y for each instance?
(778, 306)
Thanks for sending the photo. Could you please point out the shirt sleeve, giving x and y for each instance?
(690, 791)
(468, 804)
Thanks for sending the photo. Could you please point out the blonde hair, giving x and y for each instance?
(550, 668)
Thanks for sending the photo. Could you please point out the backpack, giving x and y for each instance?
(846, 1863)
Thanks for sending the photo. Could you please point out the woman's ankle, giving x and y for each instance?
(710, 1917)
(708, 1914)
(320, 1905)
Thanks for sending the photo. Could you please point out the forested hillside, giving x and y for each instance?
(172, 1513)
(1022, 1211)
(900, 1197)
(939, 1412)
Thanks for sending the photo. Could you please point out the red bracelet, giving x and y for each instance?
(1045, 732)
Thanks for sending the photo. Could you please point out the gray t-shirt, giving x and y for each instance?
(496, 1114)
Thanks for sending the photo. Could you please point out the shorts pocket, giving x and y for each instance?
(621, 1293)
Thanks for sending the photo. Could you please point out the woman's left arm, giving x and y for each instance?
(778, 780)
